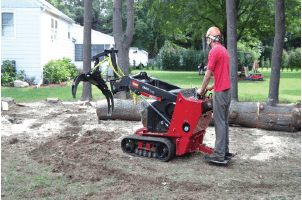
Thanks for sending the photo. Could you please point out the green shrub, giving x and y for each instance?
(141, 66)
(262, 62)
(148, 65)
(171, 61)
(191, 60)
(285, 59)
(267, 63)
(56, 71)
(9, 74)
(294, 61)
(131, 68)
(241, 61)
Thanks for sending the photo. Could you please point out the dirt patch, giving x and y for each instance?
(69, 139)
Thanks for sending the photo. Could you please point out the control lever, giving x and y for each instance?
(201, 96)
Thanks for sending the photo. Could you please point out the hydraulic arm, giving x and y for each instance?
(174, 124)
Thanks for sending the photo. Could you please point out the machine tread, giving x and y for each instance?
(167, 141)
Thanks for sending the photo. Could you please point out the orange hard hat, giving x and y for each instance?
(213, 31)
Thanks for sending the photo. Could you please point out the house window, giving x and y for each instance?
(8, 25)
(95, 49)
(54, 29)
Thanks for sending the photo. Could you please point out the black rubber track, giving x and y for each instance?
(159, 140)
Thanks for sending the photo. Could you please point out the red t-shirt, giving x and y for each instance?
(219, 64)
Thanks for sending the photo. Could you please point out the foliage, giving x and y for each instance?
(182, 60)
(175, 58)
(267, 63)
(285, 59)
(131, 68)
(184, 22)
(75, 10)
(56, 71)
(188, 20)
(171, 61)
(291, 60)
(191, 59)
(9, 74)
(294, 60)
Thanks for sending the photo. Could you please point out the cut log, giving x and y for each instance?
(279, 117)
(123, 109)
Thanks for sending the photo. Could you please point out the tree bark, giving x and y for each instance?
(281, 117)
(86, 94)
(121, 39)
(123, 109)
(232, 46)
(277, 52)
(204, 47)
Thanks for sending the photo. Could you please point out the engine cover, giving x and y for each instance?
(153, 121)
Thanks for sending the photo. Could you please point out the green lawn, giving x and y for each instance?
(289, 89)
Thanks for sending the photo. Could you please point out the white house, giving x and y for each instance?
(137, 55)
(33, 32)
(99, 42)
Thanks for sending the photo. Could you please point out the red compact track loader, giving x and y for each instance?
(174, 124)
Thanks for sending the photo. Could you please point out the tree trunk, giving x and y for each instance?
(277, 51)
(151, 55)
(121, 39)
(204, 47)
(86, 95)
(248, 114)
(232, 46)
(123, 109)
(280, 117)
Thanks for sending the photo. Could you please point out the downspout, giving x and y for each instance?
(41, 80)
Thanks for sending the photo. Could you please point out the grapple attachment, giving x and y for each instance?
(94, 78)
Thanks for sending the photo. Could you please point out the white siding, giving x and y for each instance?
(57, 48)
(32, 46)
(96, 38)
(25, 47)
(19, 4)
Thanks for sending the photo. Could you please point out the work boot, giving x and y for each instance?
(214, 159)
(228, 156)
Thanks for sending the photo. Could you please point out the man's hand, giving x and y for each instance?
(200, 92)
(210, 88)
(205, 82)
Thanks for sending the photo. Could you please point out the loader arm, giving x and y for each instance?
(140, 84)
(94, 77)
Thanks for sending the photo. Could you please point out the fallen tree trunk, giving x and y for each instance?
(280, 117)
(123, 109)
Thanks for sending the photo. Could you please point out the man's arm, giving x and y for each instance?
(205, 82)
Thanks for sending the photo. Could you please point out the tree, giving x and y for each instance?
(86, 95)
(231, 8)
(277, 51)
(123, 39)
(261, 115)
(186, 21)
